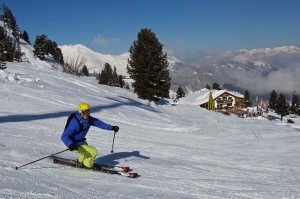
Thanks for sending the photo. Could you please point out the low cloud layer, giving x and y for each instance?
(283, 80)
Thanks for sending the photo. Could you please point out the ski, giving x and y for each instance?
(97, 167)
(117, 168)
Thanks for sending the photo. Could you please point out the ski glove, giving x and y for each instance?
(115, 128)
(73, 147)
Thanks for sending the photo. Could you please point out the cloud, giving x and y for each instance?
(283, 80)
(102, 41)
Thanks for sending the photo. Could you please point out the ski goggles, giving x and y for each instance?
(86, 112)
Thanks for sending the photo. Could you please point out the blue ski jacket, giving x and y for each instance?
(71, 134)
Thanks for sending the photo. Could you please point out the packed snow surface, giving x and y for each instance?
(178, 150)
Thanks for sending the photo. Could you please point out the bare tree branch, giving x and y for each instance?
(74, 64)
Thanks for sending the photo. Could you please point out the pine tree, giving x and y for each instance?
(102, 78)
(44, 46)
(10, 47)
(148, 67)
(25, 36)
(85, 71)
(56, 53)
(211, 103)
(207, 86)
(7, 49)
(106, 75)
(17, 53)
(282, 106)
(50, 47)
(2, 50)
(180, 93)
(58, 56)
(273, 100)
(10, 20)
(295, 106)
(247, 99)
(115, 79)
(216, 86)
(40, 46)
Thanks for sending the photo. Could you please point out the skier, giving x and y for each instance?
(76, 130)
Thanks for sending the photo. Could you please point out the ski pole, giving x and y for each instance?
(41, 159)
(112, 147)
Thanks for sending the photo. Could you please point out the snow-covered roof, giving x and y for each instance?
(202, 96)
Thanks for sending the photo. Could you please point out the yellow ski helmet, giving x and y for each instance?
(83, 106)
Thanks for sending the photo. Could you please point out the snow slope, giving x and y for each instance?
(179, 151)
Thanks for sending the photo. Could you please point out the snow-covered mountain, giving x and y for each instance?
(95, 61)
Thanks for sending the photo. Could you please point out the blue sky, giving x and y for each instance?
(183, 26)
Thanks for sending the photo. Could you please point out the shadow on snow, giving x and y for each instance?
(113, 158)
(31, 117)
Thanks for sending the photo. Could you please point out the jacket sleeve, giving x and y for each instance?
(98, 123)
(68, 132)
